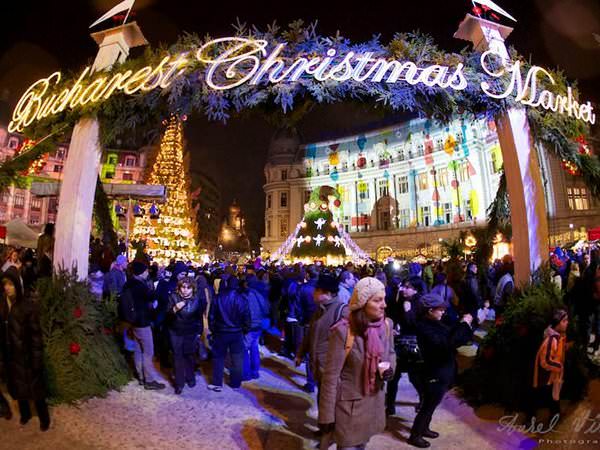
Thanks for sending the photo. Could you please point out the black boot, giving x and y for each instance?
(418, 441)
(431, 434)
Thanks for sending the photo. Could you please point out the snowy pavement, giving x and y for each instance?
(269, 413)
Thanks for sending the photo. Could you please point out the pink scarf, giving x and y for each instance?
(373, 353)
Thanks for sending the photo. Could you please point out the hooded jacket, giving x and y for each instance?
(551, 359)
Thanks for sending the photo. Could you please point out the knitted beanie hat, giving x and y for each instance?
(363, 291)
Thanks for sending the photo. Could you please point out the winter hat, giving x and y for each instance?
(121, 260)
(327, 283)
(363, 291)
(138, 267)
(429, 301)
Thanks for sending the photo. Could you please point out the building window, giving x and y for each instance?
(36, 204)
(404, 218)
(423, 181)
(401, 154)
(34, 220)
(439, 144)
(468, 211)
(5, 197)
(53, 205)
(61, 152)
(403, 185)
(19, 200)
(268, 228)
(58, 168)
(130, 161)
(426, 214)
(109, 175)
(442, 178)
(128, 176)
(269, 201)
(307, 196)
(284, 175)
(448, 212)
(420, 150)
(283, 227)
(578, 198)
(363, 191)
(283, 200)
(463, 172)
(384, 189)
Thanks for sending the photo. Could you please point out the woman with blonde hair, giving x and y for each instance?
(360, 359)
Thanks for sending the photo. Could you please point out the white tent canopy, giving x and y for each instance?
(19, 234)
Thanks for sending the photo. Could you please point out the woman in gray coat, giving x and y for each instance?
(360, 359)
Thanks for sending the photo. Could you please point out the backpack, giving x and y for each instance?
(126, 307)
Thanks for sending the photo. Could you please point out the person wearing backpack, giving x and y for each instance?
(316, 342)
(306, 302)
(259, 310)
(136, 307)
(228, 320)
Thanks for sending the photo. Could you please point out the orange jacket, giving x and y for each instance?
(551, 358)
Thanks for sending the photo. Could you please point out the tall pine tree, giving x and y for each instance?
(171, 234)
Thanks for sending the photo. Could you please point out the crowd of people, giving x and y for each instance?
(356, 329)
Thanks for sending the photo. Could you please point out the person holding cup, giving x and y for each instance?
(438, 343)
(360, 360)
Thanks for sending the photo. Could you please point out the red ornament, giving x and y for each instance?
(337, 203)
(74, 348)
(476, 10)
(77, 313)
(361, 162)
(454, 184)
(499, 321)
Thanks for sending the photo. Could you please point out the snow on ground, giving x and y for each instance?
(271, 413)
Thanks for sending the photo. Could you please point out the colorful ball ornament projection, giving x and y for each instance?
(74, 348)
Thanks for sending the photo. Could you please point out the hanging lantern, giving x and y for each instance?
(138, 211)
(119, 210)
(154, 211)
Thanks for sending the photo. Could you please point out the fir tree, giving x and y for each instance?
(169, 235)
(318, 235)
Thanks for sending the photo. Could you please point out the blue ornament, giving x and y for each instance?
(334, 174)
(311, 151)
(386, 174)
(361, 142)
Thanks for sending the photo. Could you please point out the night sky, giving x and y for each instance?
(37, 38)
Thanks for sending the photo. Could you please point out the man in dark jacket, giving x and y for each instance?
(258, 307)
(307, 307)
(329, 311)
(137, 306)
(438, 344)
(471, 297)
(21, 351)
(228, 320)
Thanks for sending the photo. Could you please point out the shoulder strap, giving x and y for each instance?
(338, 312)
(349, 343)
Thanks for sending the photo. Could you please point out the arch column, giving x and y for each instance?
(524, 183)
(76, 200)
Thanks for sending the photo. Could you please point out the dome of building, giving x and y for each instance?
(284, 146)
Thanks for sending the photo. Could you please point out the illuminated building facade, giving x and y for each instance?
(406, 187)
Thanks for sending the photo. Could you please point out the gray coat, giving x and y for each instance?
(357, 416)
(316, 341)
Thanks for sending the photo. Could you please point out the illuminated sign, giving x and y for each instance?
(241, 63)
(528, 92)
(234, 61)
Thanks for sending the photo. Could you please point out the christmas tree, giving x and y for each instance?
(317, 236)
(169, 232)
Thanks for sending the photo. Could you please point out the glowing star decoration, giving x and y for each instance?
(527, 91)
(320, 238)
(320, 222)
(299, 241)
(234, 61)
